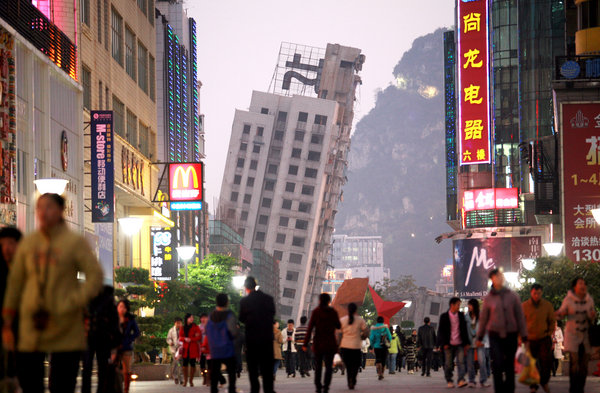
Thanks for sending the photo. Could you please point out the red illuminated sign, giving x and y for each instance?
(581, 180)
(473, 82)
(185, 182)
(491, 198)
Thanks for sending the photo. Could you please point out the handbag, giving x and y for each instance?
(530, 374)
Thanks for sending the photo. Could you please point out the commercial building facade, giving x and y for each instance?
(286, 166)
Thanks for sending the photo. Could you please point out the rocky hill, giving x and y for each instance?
(396, 174)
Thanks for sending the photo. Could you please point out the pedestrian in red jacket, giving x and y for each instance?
(189, 336)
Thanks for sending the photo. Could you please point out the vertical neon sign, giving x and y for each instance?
(473, 82)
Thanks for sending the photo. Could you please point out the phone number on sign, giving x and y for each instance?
(587, 255)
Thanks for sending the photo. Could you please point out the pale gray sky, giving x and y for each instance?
(238, 44)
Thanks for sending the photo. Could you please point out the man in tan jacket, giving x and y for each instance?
(539, 315)
(44, 290)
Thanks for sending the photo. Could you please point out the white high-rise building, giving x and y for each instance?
(286, 165)
(362, 256)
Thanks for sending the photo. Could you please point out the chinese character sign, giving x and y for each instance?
(491, 198)
(163, 264)
(185, 182)
(102, 166)
(581, 180)
(473, 82)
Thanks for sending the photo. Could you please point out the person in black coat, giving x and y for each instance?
(257, 312)
(426, 340)
(453, 339)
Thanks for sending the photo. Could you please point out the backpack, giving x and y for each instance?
(384, 341)
(220, 339)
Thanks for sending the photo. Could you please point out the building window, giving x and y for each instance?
(243, 146)
(302, 117)
(434, 308)
(144, 139)
(299, 136)
(151, 77)
(119, 117)
(247, 198)
(296, 153)
(86, 81)
(298, 241)
(290, 187)
(286, 310)
(292, 275)
(289, 293)
(283, 221)
(143, 68)
(264, 111)
(301, 224)
(269, 185)
(278, 135)
(234, 196)
(320, 120)
(272, 169)
(246, 129)
(260, 131)
(256, 149)
(293, 170)
(278, 255)
(304, 207)
(281, 120)
(240, 162)
(286, 204)
(237, 179)
(253, 164)
(250, 182)
(263, 220)
(99, 19)
(280, 238)
(244, 216)
(143, 6)
(275, 153)
(316, 139)
(85, 11)
(106, 24)
(266, 202)
(311, 172)
(242, 232)
(117, 36)
(314, 155)
(296, 258)
(151, 12)
(130, 52)
(132, 136)
(260, 236)
(308, 190)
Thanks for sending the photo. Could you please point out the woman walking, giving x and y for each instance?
(353, 329)
(557, 344)
(189, 336)
(578, 307)
(324, 321)
(380, 341)
(277, 341)
(472, 319)
(129, 331)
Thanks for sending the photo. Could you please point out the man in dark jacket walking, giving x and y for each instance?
(324, 321)
(426, 339)
(453, 338)
(221, 331)
(257, 312)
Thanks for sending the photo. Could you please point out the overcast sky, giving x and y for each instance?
(239, 40)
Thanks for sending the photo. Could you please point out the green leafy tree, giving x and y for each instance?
(367, 311)
(556, 274)
(398, 289)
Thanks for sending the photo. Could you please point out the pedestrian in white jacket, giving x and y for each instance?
(173, 343)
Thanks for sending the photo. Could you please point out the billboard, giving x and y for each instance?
(581, 180)
(473, 82)
(102, 176)
(491, 198)
(474, 258)
(163, 264)
(185, 182)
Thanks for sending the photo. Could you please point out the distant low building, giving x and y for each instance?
(362, 256)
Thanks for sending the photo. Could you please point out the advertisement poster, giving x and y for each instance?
(103, 172)
(581, 180)
(104, 234)
(163, 258)
(474, 258)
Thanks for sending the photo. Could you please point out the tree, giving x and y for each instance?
(367, 311)
(398, 289)
(556, 274)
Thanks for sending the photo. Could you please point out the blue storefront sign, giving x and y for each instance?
(103, 201)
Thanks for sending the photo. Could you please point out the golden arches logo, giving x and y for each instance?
(184, 175)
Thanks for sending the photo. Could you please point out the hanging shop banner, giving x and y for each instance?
(102, 166)
(104, 233)
(185, 182)
(474, 258)
(473, 82)
(581, 180)
(163, 264)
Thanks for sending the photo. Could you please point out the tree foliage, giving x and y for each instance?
(556, 274)
(367, 311)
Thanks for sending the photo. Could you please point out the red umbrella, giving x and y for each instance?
(384, 308)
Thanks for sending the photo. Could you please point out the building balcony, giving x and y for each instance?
(587, 41)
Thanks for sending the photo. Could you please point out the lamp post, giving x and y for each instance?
(185, 253)
(51, 186)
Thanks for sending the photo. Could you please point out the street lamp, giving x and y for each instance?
(553, 249)
(185, 253)
(51, 186)
(238, 282)
(528, 263)
(131, 225)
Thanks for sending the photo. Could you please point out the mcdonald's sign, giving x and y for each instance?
(185, 181)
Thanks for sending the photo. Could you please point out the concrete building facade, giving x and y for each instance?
(362, 255)
(285, 169)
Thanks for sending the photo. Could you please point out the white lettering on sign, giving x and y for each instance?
(479, 259)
